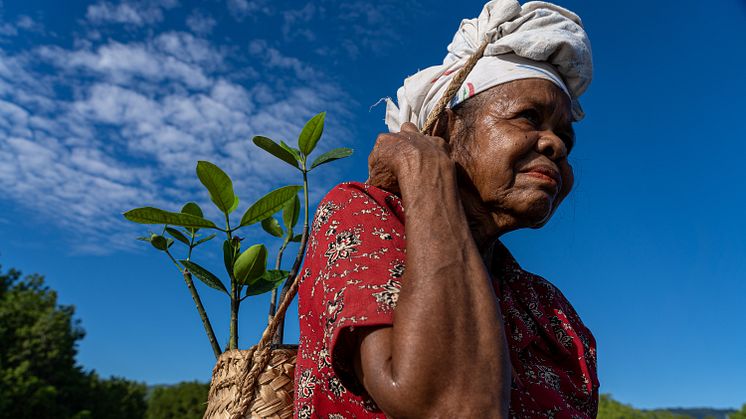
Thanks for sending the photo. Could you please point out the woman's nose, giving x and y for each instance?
(552, 146)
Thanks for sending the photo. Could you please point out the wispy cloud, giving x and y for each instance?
(240, 9)
(22, 23)
(96, 129)
(126, 12)
(200, 22)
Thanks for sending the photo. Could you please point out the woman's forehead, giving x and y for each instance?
(537, 92)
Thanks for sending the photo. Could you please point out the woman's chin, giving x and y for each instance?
(537, 211)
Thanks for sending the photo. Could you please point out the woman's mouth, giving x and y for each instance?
(544, 173)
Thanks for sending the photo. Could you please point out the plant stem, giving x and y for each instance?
(191, 245)
(235, 303)
(298, 258)
(200, 308)
(235, 291)
(278, 263)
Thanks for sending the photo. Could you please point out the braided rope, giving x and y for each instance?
(454, 86)
(248, 379)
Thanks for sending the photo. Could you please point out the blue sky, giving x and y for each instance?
(106, 106)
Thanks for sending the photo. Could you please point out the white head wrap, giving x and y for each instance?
(538, 40)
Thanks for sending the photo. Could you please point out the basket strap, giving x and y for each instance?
(247, 381)
(454, 86)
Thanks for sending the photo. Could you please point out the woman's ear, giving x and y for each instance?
(443, 126)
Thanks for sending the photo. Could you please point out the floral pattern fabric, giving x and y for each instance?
(351, 278)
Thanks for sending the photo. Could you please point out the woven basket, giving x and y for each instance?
(274, 395)
(258, 383)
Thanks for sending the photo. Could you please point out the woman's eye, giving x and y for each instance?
(530, 115)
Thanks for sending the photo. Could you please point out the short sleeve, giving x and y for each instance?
(353, 267)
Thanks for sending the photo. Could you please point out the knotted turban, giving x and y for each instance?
(536, 40)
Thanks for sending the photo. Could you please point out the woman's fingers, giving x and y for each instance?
(409, 127)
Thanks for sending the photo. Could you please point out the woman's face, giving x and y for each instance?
(512, 144)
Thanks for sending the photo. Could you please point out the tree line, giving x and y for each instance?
(41, 379)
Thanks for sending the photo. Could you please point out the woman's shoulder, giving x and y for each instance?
(354, 189)
(358, 196)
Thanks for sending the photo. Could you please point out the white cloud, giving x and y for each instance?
(135, 13)
(243, 8)
(200, 23)
(22, 23)
(119, 125)
(170, 57)
(29, 24)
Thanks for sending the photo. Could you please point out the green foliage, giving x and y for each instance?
(247, 270)
(219, 185)
(276, 150)
(290, 213)
(272, 226)
(115, 398)
(150, 215)
(178, 235)
(251, 264)
(205, 239)
(311, 134)
(292, 150)
(609, 408)
(267, 282)
(160, 242)
(741, 414)
(269, 204)
(192, 208)
(39, 377)
(331, 155)
(204, 275)
(185, 400)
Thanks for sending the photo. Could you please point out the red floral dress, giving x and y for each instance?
(351, 278)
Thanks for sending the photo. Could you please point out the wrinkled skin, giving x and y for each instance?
(506, 130)
(487, 169)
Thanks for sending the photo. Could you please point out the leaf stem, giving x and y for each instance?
(298, 258)
(200, 308)
(191, 245)
(278, 263)
(235, 291)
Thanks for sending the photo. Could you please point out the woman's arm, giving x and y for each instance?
(446, 353)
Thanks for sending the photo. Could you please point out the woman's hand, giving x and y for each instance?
(406, 156)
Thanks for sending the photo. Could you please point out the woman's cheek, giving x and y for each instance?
(568, 178)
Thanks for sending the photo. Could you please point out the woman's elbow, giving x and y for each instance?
(399, 400)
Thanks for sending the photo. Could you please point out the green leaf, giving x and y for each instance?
(169, 242)
(311, 134)
(234, 206)
(290, 213)
(192, 208)
(159, 242)
(297, 238)
(218, 184)
(204, 275)
(150, 215)
(274, 149)
(178, 235)
(208, 238)
(267, 282)
(269, 204)
(331, 155)
(144, 239)
(228, 256)
(251, 264)
(292, 150)
(272, 226)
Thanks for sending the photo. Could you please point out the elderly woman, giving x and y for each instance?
(409, 304)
